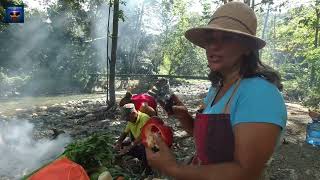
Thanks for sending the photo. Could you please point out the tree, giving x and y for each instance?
(316, 42)
(116, 13)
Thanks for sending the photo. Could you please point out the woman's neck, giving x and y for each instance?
(231, 77)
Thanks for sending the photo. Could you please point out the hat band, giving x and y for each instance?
(232, 18)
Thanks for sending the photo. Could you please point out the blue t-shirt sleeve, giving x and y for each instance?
(260, 103)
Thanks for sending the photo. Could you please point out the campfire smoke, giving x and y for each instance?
(21, 153)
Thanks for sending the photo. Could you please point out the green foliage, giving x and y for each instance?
(151, 40)
(9, 86)
(313, 99)
(57, 58)
(179, 56)
(91, 152)
(293, 52)
(95, 154)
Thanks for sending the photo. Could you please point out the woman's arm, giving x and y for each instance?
(182, 114)
(186, 120)
(145, 108)
(254, 144)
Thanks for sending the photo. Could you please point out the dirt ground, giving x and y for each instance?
(293, 160)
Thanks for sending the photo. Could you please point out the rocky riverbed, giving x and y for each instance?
(83, 116)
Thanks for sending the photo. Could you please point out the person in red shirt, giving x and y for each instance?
(147, 102)
(143, 102)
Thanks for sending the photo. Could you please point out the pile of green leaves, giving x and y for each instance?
(92, 152)
(96, 154)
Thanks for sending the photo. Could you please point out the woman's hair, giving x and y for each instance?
(251, 66)
(126, 99)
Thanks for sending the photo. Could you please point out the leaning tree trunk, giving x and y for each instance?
(114, 53)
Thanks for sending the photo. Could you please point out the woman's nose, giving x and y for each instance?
(214, 44)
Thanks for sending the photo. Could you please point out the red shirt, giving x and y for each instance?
(139, 99)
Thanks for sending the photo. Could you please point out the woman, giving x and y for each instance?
(244, 113)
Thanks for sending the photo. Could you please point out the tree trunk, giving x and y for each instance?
(316, 39)
(252, 4)
(265, 24)
(114, 53)
(247, 2)
(225, 1)
(134, 50)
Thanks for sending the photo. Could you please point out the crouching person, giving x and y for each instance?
(133, 147)
(143, 102)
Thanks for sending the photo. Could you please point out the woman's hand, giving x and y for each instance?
(162, 160)
(181, 112)
(179, 109)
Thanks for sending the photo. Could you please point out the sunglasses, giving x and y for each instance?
(223, 38)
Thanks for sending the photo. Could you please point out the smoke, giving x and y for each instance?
(22, 54)
(101, 35)
(20, 153)
(30, 55)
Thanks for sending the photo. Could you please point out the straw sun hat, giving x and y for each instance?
(233, 17)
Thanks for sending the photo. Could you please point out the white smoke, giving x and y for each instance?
(20, 154)
(101, 34)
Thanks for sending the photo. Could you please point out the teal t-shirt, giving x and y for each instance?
(256, 100)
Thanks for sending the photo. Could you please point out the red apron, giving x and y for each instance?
(213, 136)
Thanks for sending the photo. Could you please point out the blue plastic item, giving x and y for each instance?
(313, 133)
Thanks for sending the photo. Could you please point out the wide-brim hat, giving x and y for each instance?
(233, 17)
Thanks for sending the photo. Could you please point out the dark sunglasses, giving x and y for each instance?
(224, 38)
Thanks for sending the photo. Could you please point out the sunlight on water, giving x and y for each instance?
(9, 106)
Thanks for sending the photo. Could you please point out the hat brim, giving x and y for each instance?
(198, 36)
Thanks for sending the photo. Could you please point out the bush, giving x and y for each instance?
(312, 99)
(10, 86)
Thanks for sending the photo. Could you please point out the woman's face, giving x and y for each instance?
(225, 51)
(132, 117)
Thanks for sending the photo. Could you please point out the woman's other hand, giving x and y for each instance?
(163, 159)
(179, 109)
